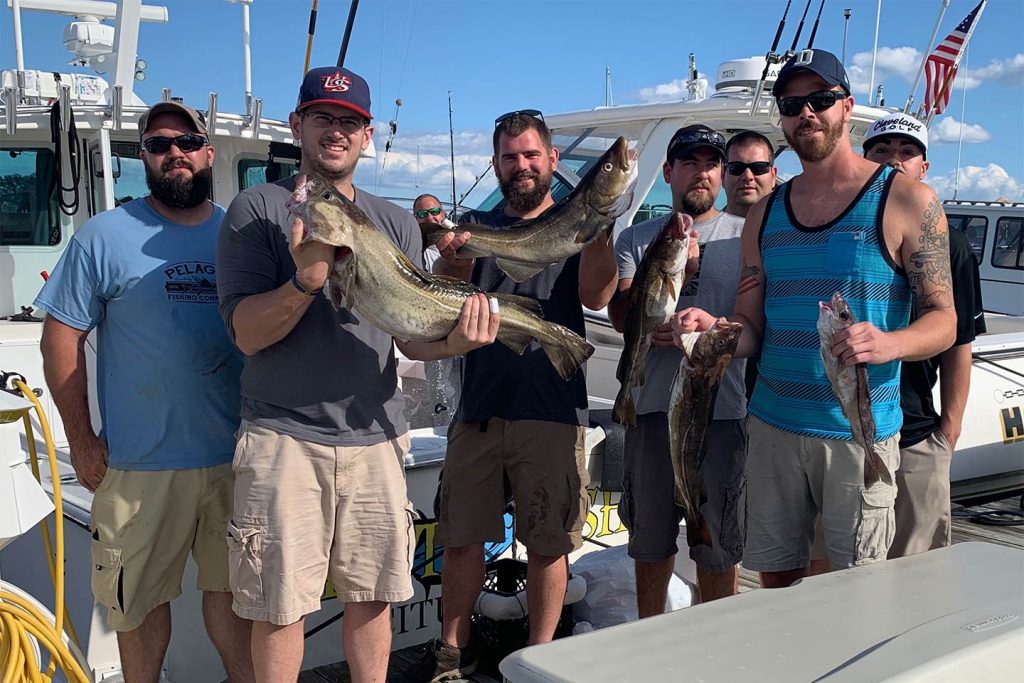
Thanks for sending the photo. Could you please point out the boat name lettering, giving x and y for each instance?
(991, 622)
(1012, 422)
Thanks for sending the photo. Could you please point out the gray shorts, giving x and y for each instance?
(648, 509)
(791, 478)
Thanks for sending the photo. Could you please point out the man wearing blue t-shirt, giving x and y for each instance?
(143, 276)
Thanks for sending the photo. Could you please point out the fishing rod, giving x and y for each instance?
(451, 142)
(348, 32)
(799, 30)
(770, 58)
(309, 38)
(817, 20)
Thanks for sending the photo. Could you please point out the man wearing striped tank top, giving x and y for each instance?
(844, 224)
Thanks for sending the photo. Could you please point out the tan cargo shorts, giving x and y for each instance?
(790, 478)
(545, 467)
(144, 524)
(305, 512)
(924, 516)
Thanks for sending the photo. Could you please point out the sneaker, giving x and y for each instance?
(442, 662)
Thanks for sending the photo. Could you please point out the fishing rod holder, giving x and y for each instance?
(165, 94)
(255, 118)
(116, 107)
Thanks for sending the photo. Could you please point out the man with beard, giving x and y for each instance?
(845, 224)
(320, 490)
(518, 421)
(693, 169)
(143, 276)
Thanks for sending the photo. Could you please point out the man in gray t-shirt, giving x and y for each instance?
(694, 171)
(320, 484)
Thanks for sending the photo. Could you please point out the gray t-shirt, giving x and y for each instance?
(332, 380)
(712, 287)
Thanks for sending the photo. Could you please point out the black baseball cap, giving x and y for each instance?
(693, 137)
(197, 120)
(335, 85)
(819, 62)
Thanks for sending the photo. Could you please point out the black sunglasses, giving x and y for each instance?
(422, 213)
(158, 144)
(756, 167)
(688, 138)
(817, 101)
(532, 113)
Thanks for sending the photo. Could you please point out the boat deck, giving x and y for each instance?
(969, 524)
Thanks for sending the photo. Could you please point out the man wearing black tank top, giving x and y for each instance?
(794, 473)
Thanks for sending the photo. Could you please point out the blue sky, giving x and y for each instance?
(496, 56)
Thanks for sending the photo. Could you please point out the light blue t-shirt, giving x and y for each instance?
(167, 375)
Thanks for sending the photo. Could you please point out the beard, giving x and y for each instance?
(525, 200)
(815, 149)
(178, 192)
(696, 203)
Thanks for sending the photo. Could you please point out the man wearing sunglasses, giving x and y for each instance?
(428, 208)
(320, 397)
(143, 276)
(844, 224)
(693, 170)
(750, 171)
(518, 420)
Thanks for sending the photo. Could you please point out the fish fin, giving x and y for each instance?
(515, 341)
(624, 410)
(566, 350)
(524, 302)
(340, 286)
(669, 284)
(520, 271)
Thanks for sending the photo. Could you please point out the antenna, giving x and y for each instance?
(608, 86)
(874, 52)
(846, 29)
(248, 59)
(451, 142)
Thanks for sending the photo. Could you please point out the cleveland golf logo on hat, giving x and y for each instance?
(897, 125)
(336, 82)
(900, 124)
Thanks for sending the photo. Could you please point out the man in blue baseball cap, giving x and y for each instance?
(320, 488)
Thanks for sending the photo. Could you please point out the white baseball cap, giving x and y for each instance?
(897, 125)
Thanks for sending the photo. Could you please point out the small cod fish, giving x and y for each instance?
(374, 277)
(691, 409)
(850, 385)
(528, 247)
(652, 301)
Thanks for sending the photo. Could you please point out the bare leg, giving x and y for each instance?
(782, 579)
(230, 634)
(461, 581)
(546, 579)
(143, 649)
(277, 651)
(715, 585)
(818, 567)
(652, 585)
(366, 635)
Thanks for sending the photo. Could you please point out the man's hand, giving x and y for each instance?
(949, 430)
(692, 256)
(89, 459)
(661, 336)
(477, 326)
(313, 260)
(449, 244)
(690, 320)
(864, 343)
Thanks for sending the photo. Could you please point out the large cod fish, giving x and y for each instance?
(850, 385)
(652, 301)
(374, 277)
(691, 409)
(528, 247)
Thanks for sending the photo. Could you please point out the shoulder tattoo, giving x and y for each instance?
(751, 278)
(928, 267)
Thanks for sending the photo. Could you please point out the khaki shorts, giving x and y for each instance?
(144, 524)
(305, 512)
(545, 467)
(791, 478)
(923, 510)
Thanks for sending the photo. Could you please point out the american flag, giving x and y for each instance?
(940, 69)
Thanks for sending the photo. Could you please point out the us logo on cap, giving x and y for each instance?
(336, 82)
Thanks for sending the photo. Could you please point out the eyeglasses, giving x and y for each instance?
(532, 113)
(158, 144)
(422, 213)
(756, 167)
(347, 124)
(692, 136)
(817, 101)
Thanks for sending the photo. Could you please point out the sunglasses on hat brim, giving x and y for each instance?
(532, 113)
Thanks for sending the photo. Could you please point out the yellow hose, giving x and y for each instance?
(20, 619)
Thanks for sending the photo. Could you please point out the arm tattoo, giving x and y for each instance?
(750, 278)
(929, 265)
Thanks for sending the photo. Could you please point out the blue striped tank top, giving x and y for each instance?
(803, 266)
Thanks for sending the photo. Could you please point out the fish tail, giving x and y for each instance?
(874, 468)
(566, 350)
(432, 232)
(697, 532)
(624, 410)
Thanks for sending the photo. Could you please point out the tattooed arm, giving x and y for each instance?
(749, 308)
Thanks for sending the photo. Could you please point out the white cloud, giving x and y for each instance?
(673, 90)
(892, 61)
(1006, 71)
(981, 183)
(948, 130)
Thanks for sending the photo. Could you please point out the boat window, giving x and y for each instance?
(975, 227)
(1008, 250)
(252, 172)
(129, 175)
(28, 204)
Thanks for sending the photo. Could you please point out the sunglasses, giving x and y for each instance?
(532, 113)
(158, 144)
(422, 213)
(347, 124)
(817, 101)
(756, 167)
(690, 137)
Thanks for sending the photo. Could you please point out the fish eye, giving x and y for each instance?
(607, 168)
(327, 195)
(844, 315)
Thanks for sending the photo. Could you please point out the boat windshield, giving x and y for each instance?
(128, 171)
(28, 202)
